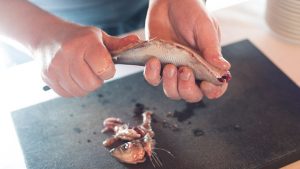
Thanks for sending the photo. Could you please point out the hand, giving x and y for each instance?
(188, 23)
(76, 60)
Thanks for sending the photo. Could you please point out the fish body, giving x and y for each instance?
(173, 53)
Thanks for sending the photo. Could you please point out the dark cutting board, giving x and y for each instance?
(256, 124)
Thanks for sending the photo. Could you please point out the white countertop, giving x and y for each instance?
(21, 86)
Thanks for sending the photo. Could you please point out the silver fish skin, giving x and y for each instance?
(173, 53)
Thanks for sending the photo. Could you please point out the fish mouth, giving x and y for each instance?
(112, 150)
(115, 153)
(225, 78)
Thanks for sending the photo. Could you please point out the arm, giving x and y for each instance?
(75, 59)
(28, 24)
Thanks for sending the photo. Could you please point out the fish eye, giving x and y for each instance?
(125, 146)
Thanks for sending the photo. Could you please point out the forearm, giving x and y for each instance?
(163, 5)
(26, 23)
(154, 1)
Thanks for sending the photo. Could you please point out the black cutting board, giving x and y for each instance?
(256, 124)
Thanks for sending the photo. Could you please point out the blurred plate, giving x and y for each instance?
(287, 23)
(282, 9)
(292, 2)
(284, 18)
(284, 25)
(286, 33)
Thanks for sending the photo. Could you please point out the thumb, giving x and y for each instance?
(113, 43)
(208, 43)
(213, 56)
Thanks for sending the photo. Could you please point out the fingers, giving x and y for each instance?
(207, 38)
(65, 85)
(211, 91)
(65, 80)
(180, 84)
(56, 87)
(152, 71)
(71, 76)
(187, 88)
(170, 82)
(75, 78)
(83, 76)
(78, 68)
(176, 86)
(100, 61)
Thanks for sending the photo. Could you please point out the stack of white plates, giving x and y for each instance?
(283, 17)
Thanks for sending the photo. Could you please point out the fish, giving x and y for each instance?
(140, 143)
(170, 53)
(124, 132)
(135, 151)
(131, 152)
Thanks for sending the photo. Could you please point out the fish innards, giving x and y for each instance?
(140, 142)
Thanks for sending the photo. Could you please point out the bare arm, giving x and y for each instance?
(28, 24)
(75, 59)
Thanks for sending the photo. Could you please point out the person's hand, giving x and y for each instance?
(76, 60)
(188, 23)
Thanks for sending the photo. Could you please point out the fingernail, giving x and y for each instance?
(226, 64)
(222, 62)
(184, 75)
(133, 38)
(153, 66)
(170, 73)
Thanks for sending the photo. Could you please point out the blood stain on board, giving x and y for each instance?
(138, 109)
(188, 111)
(77, 130)
(198, 132)
(237, 127)
(169, 125)
(105, 101)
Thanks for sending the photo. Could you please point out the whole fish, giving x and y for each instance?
(170, 52)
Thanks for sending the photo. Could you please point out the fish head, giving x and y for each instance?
(131, 152)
